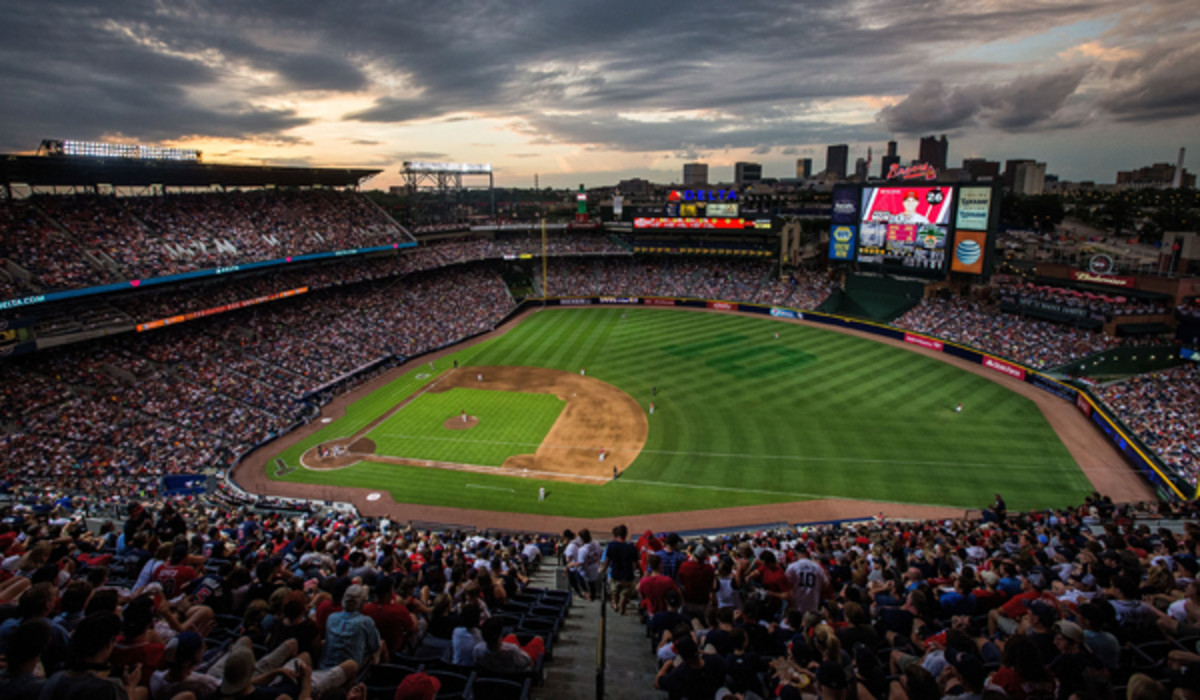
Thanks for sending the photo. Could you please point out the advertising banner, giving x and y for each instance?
(784, 313)
(574, 302)
(1082, 402)
(845, 205)
(1110, 280)
(841, 241)
(721, 210)
(160, 323)
(618, 300)
(969, 247)
(1004, 367)
(658, 302)
(722, 306)
(974, 203)
(669, 222)
(923, 342)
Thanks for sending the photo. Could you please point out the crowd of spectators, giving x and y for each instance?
(1091, 304)
(199, 395)
(1077, 603)
(193, 595)
(1038, 344)
(1189, 308)
(1163, 408)
(30, 240)
(730, 279)
(84, 240)
(189, 598)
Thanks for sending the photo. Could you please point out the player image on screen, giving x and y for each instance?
(905, 227)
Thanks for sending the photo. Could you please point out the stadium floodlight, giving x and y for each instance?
(438, 167)
(98, 149)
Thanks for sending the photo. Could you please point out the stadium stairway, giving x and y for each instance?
(572, 671)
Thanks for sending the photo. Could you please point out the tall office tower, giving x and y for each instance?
(836, 159)
(1010, 170)
(892, 158)
(934, 151)
(982, 169)
(695, 174)
(804, 167)
(745, 173)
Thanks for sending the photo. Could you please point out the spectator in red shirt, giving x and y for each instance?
(393, 620)
(175, 575)
(653, 588)
(771, 576)
(137, 645)
(696, 578)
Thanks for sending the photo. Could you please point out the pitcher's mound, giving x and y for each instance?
(457, 423)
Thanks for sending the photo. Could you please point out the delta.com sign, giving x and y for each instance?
(702, 196)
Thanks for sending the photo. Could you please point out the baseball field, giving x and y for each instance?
(561, 402)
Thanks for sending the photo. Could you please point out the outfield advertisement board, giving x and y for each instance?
(974, 203)
(786, 313)
(576, 301)
(841, 241)
(1003, 367)
(618, 300)
(845, 205)
(969, 250)
(722, 306)
(923, 341)
(658, 302)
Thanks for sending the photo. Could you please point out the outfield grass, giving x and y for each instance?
(416, 431)
(742, 418)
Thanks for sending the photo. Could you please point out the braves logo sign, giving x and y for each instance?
(917, 171)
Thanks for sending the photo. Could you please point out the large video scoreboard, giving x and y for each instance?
(917, 229)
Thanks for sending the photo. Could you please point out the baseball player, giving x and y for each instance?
(479, 377)
(651, 409)
(582, 372)
(958, 408)
(602, 454)
(464, 416)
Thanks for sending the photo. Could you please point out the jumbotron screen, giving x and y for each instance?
(905, 227)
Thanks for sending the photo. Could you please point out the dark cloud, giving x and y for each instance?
(1160, 85)
(1026, 102)
(313, 71)
(688, 137)
(756, 75)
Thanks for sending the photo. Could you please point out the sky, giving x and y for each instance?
(593, 93)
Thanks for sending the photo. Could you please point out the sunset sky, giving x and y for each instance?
(595, 92)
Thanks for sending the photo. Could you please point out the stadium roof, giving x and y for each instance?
(73, 171)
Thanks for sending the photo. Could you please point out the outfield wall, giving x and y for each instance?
(1140, 457)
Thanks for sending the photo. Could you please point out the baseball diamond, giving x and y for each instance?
(742, 420)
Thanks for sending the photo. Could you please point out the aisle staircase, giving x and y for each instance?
(630, 667)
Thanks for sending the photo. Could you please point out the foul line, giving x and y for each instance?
(724, 455)
(490, 488)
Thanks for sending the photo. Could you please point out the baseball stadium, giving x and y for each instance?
(301, 383)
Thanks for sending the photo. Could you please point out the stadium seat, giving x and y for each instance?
(495, 688)
(455, 686)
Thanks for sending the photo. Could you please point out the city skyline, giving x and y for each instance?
(583, 93)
